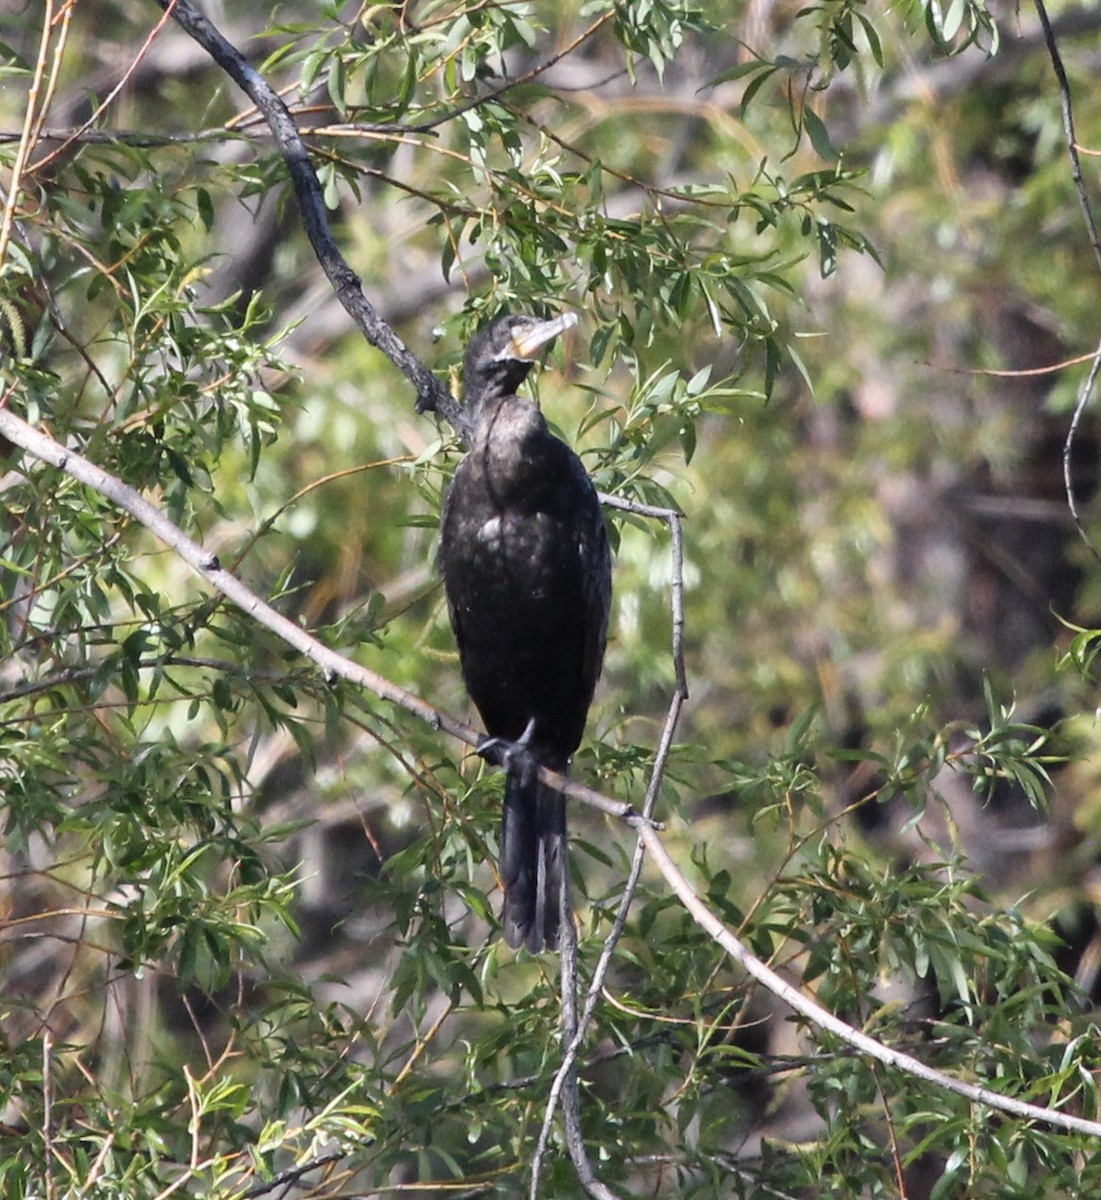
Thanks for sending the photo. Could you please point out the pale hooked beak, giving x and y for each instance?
(528, 340)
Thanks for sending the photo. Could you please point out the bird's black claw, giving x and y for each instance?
(493, 750)
(516, 756)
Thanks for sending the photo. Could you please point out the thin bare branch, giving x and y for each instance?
(48, 1111)
(1084, 395)
(103, 104)
(673, 518)
(35, 687)
(825, 1020)
(565, 1082)
(26, 137)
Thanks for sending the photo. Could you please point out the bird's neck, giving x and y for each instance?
(510, 437)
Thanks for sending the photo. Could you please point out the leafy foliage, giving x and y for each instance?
(249, 926)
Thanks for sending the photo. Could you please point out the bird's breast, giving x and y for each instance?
(489, 533)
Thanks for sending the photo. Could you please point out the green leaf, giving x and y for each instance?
(819, 136)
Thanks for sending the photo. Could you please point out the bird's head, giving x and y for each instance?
(501, 355)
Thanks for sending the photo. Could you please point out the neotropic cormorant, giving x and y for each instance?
(527, 571)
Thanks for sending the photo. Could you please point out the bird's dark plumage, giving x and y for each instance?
(527, 571)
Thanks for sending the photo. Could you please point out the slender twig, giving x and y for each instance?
(97, 1166)
(1019, 373)
(1086, 390)
(195, 1124)
(292, 1174)
(422, 1043)
(63, 22)
(105, 102)
(1084, 394)
(48, 1111)
(566, 1079)
(128, 137)
(26, 138)
(673, 518)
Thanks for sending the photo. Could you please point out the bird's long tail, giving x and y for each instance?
(533, 857)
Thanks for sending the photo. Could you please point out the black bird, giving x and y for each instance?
(527, 571)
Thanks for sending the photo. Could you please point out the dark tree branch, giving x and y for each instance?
(1068, 128)
(432, 396)
(291, 1175)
